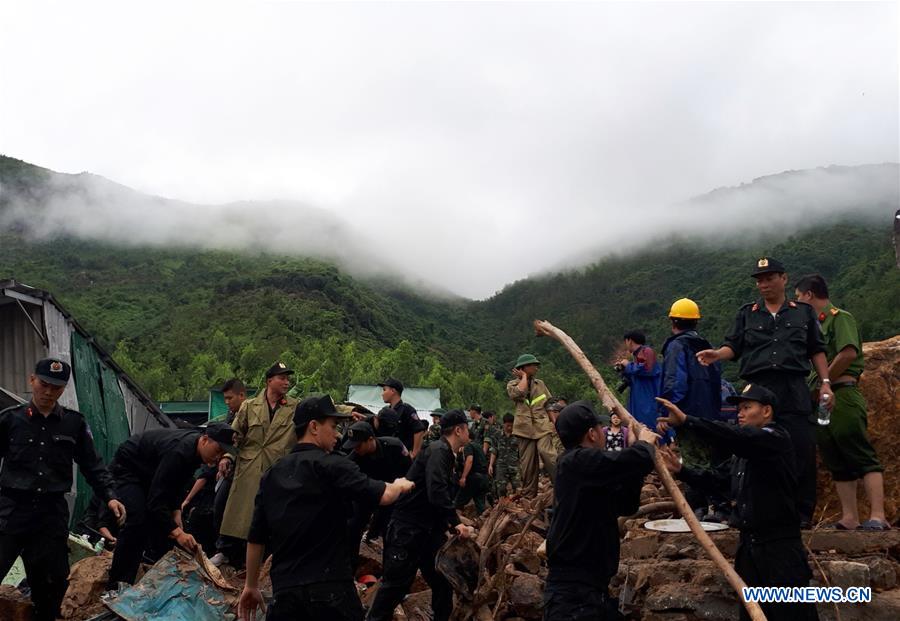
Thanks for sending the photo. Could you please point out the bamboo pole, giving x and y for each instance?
(545, 328)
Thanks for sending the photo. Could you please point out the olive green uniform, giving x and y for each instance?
(432, 435)
(534, 431)
(844, 443)
(506, 462)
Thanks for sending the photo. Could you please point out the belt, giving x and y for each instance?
(846, 384)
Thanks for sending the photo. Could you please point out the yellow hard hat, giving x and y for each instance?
(685, 308)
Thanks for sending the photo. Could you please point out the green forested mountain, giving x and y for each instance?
(182, 319)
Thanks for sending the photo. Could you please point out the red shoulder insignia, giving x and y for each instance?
(754, 308)
(821, 317)
(835, 311)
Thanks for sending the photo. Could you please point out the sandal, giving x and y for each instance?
(839, 526)
(874, 525)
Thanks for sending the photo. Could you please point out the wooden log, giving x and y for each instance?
(545, 328)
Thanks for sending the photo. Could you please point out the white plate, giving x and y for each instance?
(680, 526)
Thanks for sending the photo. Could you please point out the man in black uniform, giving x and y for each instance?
(764, 481)
(776, 340)
(382, 459)
(473, 480)
(386, 423)
(301, 513)
(419, 525)
(593, 488)
(39, 441)
(151, 471)
(411, 430)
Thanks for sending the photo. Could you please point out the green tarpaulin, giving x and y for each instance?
(100, 401)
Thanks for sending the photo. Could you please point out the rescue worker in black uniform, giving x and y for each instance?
(776, 340)
(39, 441)
(764, 481)
(593, 487)
(151, 472)
(420, 523)
(382, 459)
(301, 513)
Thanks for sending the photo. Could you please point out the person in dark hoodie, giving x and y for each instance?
(593, 488)
(694, 388)
(764, 479)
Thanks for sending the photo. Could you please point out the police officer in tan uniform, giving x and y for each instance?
(532, 425)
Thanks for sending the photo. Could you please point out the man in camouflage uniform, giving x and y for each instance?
(434, 431)
(554, 407)
(476, 427)
(504, 458)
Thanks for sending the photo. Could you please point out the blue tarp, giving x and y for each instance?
(172, 590)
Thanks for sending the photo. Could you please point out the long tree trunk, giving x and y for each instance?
(545, 328)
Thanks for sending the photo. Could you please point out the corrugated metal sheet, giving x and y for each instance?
(139, 417)
(20, 345)
(59, 344)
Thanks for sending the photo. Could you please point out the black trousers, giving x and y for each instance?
(408, 548)
(793, 413)
(779, 563)
(575, 601)
(35, 527)
(322, 601)
(139, 534)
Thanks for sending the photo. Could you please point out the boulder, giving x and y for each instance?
(87, 582)
(526, 596)
(846, 574)
(14, 606)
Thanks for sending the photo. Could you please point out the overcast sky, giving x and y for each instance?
(484, 142)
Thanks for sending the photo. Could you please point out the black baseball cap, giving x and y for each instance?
(392, 383)
(223, 434)
(357, 434)
(453, 418)
(574, 421)
(53, 371)
(279, 368)
(754, 392)
(316, 408)
(767, 265)
(389, 416)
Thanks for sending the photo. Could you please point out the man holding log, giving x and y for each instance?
(770, 552)
(532, 424)
(593, 488)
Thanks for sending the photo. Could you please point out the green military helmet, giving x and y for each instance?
(526, 359)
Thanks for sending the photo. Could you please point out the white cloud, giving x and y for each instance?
(494, 140)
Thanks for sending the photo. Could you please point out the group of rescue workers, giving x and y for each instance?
(306, 482)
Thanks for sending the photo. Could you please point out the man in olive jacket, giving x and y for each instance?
(265, 433)
(532, 425)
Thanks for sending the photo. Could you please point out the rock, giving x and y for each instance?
(667, 550)
(526, 596)
(846, 573)
(643, 545)
(87, 581)
(417, 606)
(13, 605)
(370, 556)
(882, 573)
(526, 560)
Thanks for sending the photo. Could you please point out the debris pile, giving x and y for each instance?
(662, 576)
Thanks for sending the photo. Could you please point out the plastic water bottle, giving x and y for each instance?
(823, 413)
